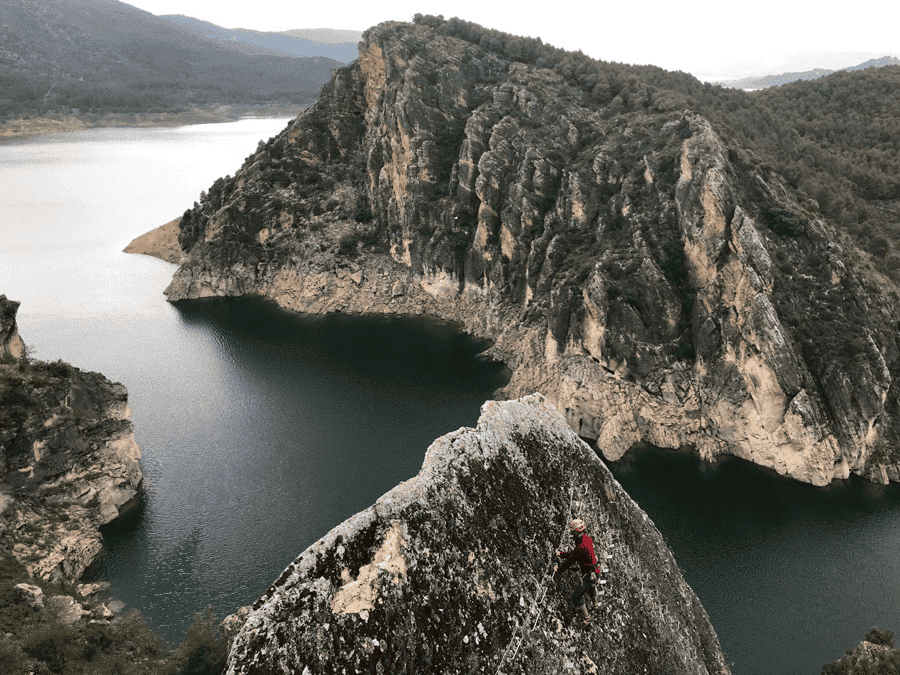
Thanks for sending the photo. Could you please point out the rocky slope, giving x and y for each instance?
(68, 461)
(11, 345)
(450, 571)
(655, 283)
(875, 655)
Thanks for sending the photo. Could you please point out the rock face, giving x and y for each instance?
(68, 464)
(11, 345)
(875, 654)
(655, 282)
(449, 572)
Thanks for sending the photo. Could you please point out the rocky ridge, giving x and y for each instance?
(69, 463)
(450, 571)
(655, 283)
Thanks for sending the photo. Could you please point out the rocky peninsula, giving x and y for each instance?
(655, 281)
(69, 463)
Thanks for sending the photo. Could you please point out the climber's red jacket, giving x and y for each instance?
(583, 554)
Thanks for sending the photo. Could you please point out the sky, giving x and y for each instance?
(711, 39)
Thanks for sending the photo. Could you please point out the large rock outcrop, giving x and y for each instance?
(656, 283)
(875, 654)
(11, 345)
(450, 571)
(68, 464)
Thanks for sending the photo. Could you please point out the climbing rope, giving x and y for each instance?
(515, 641)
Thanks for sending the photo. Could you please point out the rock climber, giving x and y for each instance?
(583, 555)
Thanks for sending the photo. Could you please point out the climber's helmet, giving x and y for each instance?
(577, 526)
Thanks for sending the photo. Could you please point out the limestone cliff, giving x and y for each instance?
(656, 283)
(11, 345)
(450, 571)
(68, 462)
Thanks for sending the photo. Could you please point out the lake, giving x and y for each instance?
(261, 430)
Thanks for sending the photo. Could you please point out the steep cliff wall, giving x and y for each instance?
(11, 345)
(655, 283)
(68, 462)
(449, 571)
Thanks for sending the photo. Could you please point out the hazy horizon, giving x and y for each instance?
(696, 36)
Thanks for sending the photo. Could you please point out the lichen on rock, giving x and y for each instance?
(450, 571)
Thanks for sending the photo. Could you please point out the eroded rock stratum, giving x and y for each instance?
(69, 463)
(448, 572)
(655, 282)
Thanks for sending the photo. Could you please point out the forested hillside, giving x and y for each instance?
(294, 43)
(786, 78)
(81, 56)
(836, 139)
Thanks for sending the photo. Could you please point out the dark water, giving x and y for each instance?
(280, 428)
(790, 574)
(261, 430)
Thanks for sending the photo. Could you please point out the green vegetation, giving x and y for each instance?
(203, 652)
(23, 386)
(836, 139)
(16, 403)
(883, 637)
(63, 58)
(37, 642)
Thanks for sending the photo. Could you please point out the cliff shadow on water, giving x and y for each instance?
(789, 550)
(288, 424)
(412, 349)
(630, 256)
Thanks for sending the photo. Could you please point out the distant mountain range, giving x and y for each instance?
(102, 56)
(785, 78)
(340, 45)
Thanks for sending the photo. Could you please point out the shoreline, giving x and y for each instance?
(28, 127)
(160, 242)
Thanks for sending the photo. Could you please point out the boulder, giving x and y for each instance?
(65, 609)
(30, 594)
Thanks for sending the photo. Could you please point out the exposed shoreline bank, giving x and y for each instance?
(161, 242)
(26, 127)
